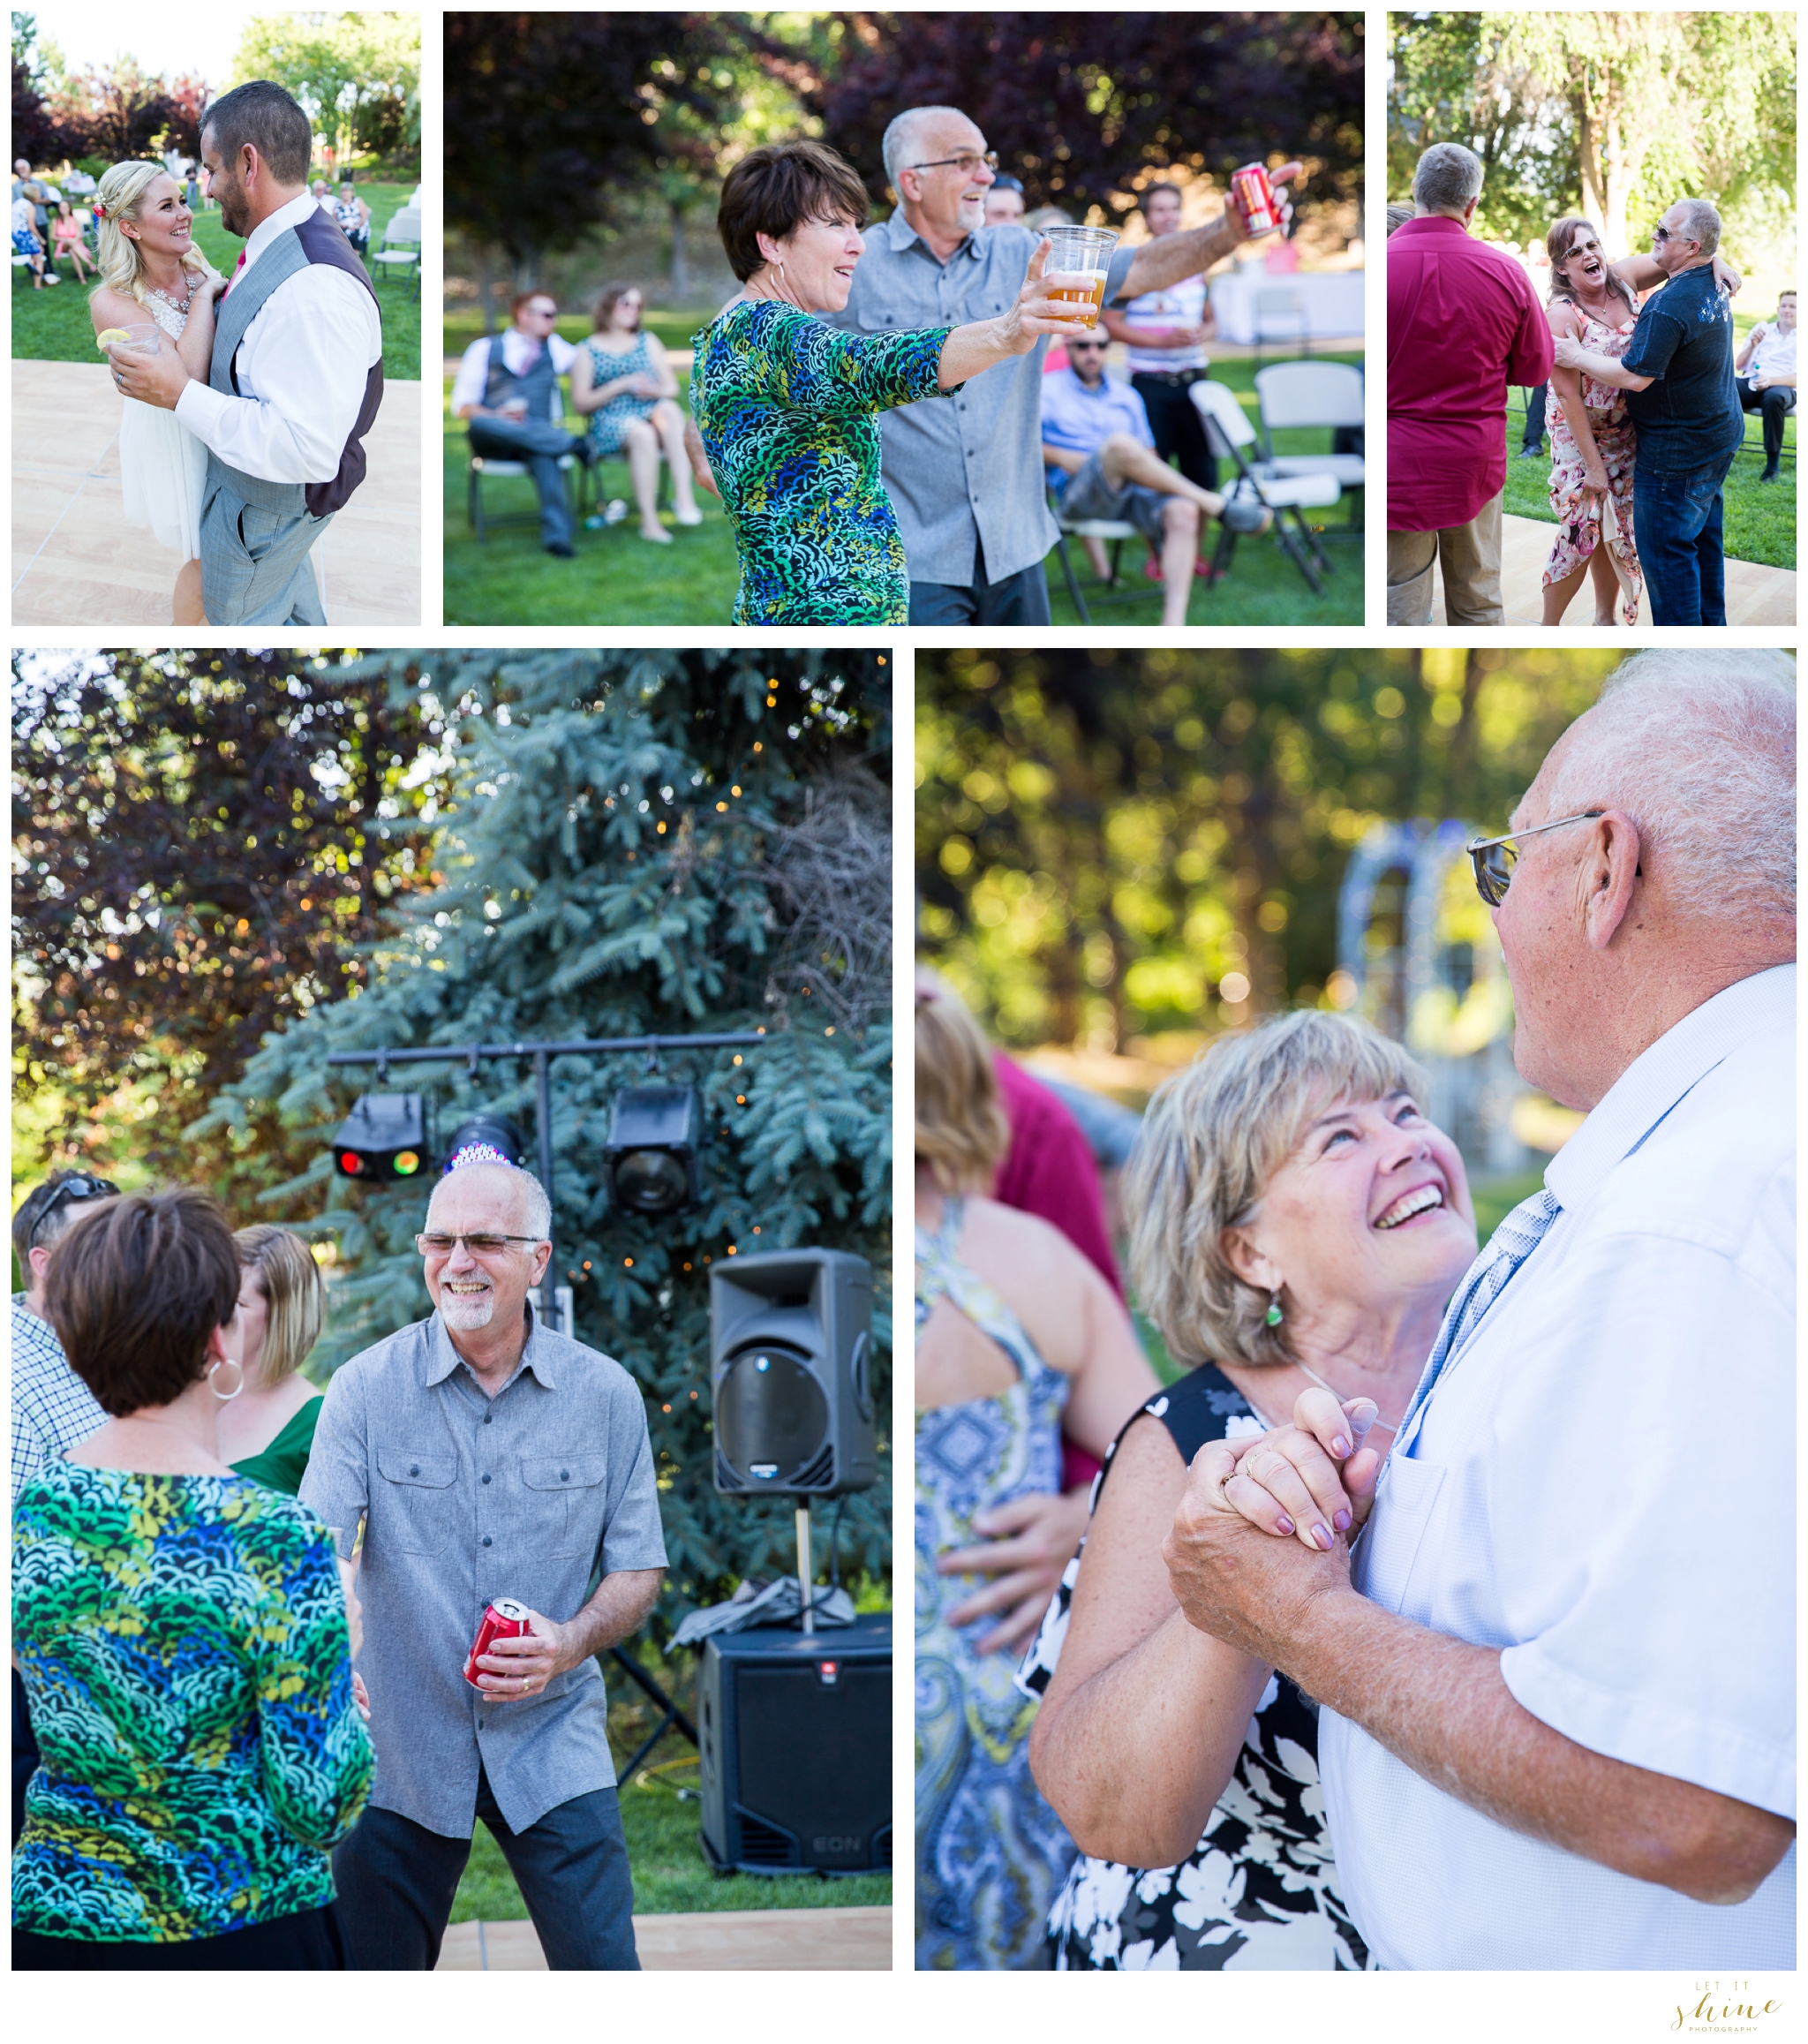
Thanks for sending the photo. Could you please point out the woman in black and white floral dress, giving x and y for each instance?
(1292, 1213)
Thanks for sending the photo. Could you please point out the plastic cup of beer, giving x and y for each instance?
(1074, 276)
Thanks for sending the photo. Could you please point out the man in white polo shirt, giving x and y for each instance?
(1765, 378)
(1556, 1679)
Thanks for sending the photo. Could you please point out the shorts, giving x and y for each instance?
(1089, 496)
(25, 242)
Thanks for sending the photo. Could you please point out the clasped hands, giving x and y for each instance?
(1263, 1529)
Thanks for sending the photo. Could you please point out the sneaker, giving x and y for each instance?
(51, 277)
(1531, 454)
(562, 549)
(696, 518)
(1769, 475)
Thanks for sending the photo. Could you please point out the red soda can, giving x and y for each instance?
(1255, 199)
(504, 1619)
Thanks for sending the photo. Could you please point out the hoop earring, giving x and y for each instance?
(226, 1397)
(1272, 1318)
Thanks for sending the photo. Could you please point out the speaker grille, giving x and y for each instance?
(772, 1418)
(765, 1844)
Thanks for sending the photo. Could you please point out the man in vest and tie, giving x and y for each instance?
(297, 373)
(506, 388)
(1555, 1667)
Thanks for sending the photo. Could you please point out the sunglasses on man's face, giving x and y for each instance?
(479, 1245)
(1494, 858)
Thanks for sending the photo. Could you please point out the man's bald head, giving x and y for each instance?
(499, 1198)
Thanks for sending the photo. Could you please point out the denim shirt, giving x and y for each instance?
(528, 1494)
(1689, 417)
(964, 469)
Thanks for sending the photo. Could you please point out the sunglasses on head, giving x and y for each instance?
(81, 1186)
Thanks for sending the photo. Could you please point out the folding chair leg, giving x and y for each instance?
(1078, 601)
(1291, 547)
(476, 506)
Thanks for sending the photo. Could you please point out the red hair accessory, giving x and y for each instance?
(98, 210)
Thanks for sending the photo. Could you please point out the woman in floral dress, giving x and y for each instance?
(1592, 442)
(788, 408)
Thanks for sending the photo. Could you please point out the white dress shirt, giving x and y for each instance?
(1602, 1484)
(519, 352)
(1775, 354)
(302, 367)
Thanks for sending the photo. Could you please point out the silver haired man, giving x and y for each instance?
(1557, 1672)
(966, 479)
(491, 1458)
(1684, 398)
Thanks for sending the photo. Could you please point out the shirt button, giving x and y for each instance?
(414, 1468)
(564, 1476)
(485, 1479)
(488, 1417)
(487, 1540)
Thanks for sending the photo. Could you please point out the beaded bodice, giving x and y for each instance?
(169, 315)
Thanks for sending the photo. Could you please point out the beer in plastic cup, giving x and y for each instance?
(1074, 276)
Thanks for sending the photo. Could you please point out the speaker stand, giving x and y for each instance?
(633, 1669)
(805, 1573)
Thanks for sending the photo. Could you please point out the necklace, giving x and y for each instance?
(157, 291)
(1392, 1426)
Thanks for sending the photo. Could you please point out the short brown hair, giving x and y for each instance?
(291, 1282)
(525, 298)
(607, 300)
(775, 189)
(134, 1289)
(962, 1131)
(1149, 191)
(271, 120)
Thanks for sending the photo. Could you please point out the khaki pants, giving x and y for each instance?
(1470, 556)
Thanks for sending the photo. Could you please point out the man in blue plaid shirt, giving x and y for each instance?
(52, 1409)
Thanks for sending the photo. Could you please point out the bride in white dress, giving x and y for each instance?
(153, 271)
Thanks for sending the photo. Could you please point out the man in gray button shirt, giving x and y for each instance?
(492, 1459)
(965, 479)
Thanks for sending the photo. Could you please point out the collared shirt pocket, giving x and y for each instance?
(1389, 1544)
(420, 1498)
(565, 1501)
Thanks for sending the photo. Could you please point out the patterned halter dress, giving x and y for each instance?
(1616, 441)
(990, 1854)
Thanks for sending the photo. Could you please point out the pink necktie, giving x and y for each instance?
(233, 279)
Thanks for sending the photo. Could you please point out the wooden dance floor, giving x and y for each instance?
(75, 563)
(1755, 595)
(765, 1941)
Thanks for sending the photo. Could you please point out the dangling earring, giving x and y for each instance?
(226, 1397)
(1272, 1318)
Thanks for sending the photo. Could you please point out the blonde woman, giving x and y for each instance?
(1014, 1328)
(151, 272)
(1296, 1221)
(267, 1429)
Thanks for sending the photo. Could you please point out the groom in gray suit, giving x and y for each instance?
(297, 373)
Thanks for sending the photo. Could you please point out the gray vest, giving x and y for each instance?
(234, 313)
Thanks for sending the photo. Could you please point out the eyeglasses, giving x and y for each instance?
(966, 163)
(1079, 347)
(480, 1245)
(80, 1187)
(1664, 234)
(1494, 858)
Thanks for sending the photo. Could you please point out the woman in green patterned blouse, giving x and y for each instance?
(267, 1431)
(787, 407)
(184, 1637)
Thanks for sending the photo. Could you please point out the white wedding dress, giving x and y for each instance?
(162, 466)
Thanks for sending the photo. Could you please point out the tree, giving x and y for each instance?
(634, 845)
(353, 73)
(1616, 115)
(1081, 105)
(204, 842)
(119, 113)
(553, 120)
(38, 134)
(1113, 845)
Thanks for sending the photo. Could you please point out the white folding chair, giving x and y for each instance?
(1311, 394)
(1114, 531)
(401, 247)
(1228, 434)
(1280, 315)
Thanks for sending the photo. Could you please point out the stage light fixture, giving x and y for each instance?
(650, 1158)
(486, 1132)
(383, 1139)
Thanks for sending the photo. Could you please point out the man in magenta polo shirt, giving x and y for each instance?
(1463, 323)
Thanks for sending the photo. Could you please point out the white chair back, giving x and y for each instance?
(1306, 394)
(1227, 426)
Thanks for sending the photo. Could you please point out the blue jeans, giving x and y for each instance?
(1677, 519)
(539, 443)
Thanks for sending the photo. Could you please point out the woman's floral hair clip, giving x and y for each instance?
(98, 210)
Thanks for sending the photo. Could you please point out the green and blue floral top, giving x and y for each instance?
(787, 409)
(183, 1645)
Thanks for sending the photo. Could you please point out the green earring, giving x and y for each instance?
(1272, 1318)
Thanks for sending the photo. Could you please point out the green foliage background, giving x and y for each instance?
(1103, 836)
(606, 873)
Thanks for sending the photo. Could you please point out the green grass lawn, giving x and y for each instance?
(53, 325)
(660, 1820)
(620, 578)
(1760, 517)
